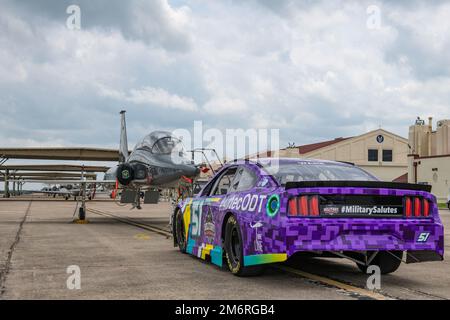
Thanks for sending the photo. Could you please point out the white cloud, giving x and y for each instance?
(313, 69)
(151, 96)
(157, 20)
(224, 106)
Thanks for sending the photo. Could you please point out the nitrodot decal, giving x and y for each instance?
(248, 202)
(369, 210)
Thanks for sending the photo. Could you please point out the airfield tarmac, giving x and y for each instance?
(126, 254)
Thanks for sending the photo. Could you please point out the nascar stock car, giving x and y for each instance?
(252, 213)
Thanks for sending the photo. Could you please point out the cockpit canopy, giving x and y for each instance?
(162, 143)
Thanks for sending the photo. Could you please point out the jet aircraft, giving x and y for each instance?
(158, 161)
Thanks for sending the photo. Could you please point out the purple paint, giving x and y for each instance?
(263, 234)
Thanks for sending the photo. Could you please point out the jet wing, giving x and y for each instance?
(52, 192)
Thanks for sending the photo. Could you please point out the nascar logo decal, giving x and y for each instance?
(331, 210)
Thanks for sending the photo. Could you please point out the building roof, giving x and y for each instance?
(314, 146)
(402, 178)
(307, 148)
(285, 161)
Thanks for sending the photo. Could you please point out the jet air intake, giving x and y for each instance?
(127, 172)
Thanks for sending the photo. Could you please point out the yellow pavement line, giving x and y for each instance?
(334, 283)
(327, 281)
(128, 221)
(142, 236)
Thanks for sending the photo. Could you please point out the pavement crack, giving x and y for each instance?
(425, 294)
(4, 270)
(343, 287)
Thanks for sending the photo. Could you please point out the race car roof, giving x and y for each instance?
(283, 161)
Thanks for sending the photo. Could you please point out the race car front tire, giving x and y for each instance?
(234, 251)
(388, 262)
(180, 232)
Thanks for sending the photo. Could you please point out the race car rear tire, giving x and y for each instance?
(180, 231)
(388, 262)
(234, 251)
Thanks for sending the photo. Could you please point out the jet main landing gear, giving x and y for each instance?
(81, 213)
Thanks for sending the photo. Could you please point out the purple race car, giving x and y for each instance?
(254, 213)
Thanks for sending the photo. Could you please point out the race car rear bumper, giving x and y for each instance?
(418, 236)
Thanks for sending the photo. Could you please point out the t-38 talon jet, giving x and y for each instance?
(69, 190)
(157, 161)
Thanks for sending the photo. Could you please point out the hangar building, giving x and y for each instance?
(382, 153)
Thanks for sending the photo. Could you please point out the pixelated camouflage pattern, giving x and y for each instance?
(264, 235)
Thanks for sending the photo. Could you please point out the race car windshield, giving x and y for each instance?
(312, 171)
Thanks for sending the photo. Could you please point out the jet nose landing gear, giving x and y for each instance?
(82, 209)
(81, 216)
(81, 213)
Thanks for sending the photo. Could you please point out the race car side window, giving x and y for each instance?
(245, 179)
(207, 190)
(223, 184)
(211, 185)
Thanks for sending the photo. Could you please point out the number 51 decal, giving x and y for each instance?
(196, 218)
(423, 237)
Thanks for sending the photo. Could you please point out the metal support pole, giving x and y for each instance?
(6, 189)
(14, 186)
(3, 160)
(82, 213)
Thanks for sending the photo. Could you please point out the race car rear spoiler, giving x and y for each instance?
(358, 184)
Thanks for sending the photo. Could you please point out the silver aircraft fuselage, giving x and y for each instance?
(158, 160)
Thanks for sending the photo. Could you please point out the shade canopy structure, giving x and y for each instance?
(45, 173)
(83, 154)
(60, 175)
(53, 167)
(46, 180)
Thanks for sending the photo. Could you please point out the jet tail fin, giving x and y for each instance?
(123, 148)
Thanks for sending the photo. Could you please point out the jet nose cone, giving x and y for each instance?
(192, 171)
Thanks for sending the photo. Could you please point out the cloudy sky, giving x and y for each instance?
(314, 69)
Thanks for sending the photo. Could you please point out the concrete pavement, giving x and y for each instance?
(120, 261)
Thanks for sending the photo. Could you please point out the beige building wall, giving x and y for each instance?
(355, 150)
(425, 142)
(443, 137)
(435, 171)
(419, 139)
(429, 161)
